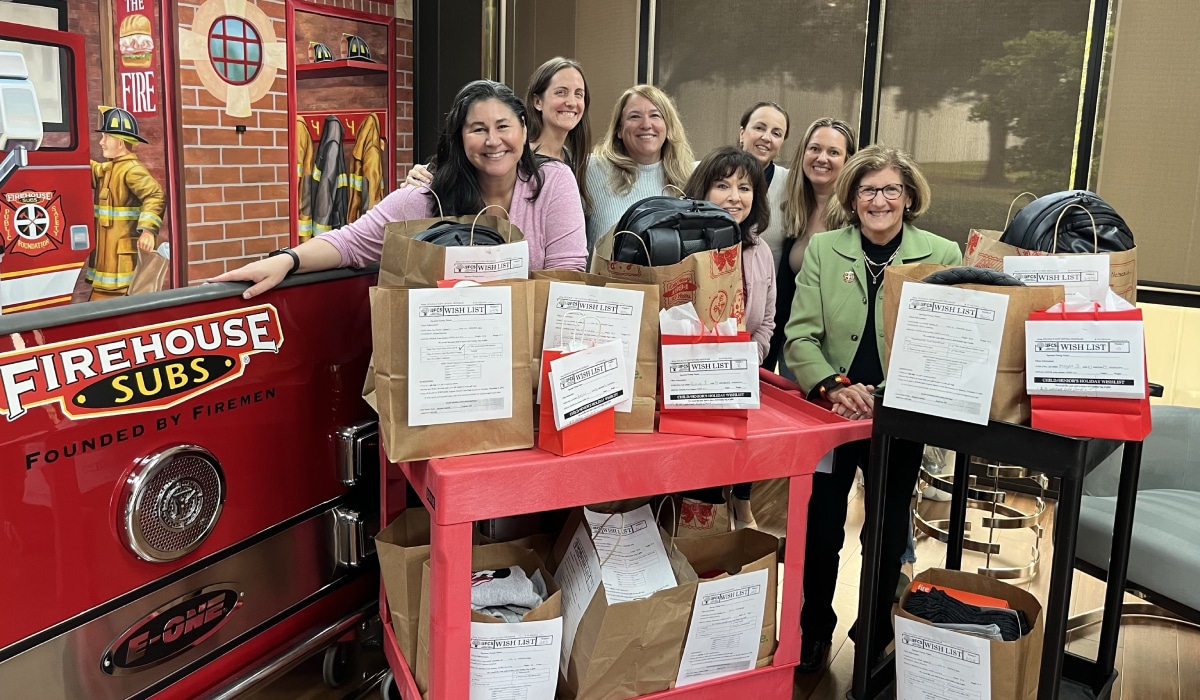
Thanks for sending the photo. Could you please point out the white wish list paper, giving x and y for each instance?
(710, 375)
(587, 382)
(942, 664)
(599, 314)
(726, 627)
(1086, 358)
(515, 660)
(578, 576)
(1086, 275)
(459, 355)
(945, 351)
(633, 561)
(484, 263)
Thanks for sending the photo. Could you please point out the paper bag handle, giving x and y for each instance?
(586, 317)
(404, 203)
(615, 544)
(682, 194)
(1095, 233)
(674, 514)
(1016, 199)
(471, 240)
(636, 238)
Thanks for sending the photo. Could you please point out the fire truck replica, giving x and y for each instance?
(186, 488)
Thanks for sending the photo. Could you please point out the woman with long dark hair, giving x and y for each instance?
(484, 160)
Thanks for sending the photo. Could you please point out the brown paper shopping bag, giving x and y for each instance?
(151, 273)
(628, 649)
(641, 418)
(984, 249)
(738, 552)
(411, 263)
(405, 443)
(711, 279)
(483, 557)
(403, 549)
(1010, 403)
(1015, 665)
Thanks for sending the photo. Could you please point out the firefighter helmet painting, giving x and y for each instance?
(318, 52)
(129, 206)
(355, 48)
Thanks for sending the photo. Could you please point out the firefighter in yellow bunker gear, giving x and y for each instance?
(129, 204)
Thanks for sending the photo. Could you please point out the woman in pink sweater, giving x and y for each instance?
(733, 180)
(483, 159)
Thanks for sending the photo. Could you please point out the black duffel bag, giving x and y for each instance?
(451, 233)
(671, 228)
(1034, 226)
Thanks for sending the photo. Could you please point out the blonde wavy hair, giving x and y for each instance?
(677, 157)
(799, 196)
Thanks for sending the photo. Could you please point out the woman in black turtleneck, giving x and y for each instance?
(835, 347)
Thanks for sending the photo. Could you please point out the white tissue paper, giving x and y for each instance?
(683, 320)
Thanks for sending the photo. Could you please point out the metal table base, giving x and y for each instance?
(1062, 675)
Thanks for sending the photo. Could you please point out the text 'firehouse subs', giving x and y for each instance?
(142, 369)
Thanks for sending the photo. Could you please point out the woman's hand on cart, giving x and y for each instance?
(854, 402)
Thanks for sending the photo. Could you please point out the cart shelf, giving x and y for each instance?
(787, 436)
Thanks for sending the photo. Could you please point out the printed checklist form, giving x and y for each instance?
(945, 351)
(938, 664)
(460, 355)
(633, 560)
(515, 661)
(726, 627)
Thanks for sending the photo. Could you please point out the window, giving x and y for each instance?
(985, 96)
(715, 62)
(235, 49)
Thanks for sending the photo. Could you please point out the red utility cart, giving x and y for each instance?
(787, 437)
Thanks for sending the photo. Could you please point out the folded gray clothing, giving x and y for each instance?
(508, 613)
(991, 632)
(500, 587)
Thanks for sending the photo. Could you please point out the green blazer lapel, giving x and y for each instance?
(848, 244)
(914, 247)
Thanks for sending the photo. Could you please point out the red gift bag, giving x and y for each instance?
(705, 422)
(1092, 416)
(584, 435)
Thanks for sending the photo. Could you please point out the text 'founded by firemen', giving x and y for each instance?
(52, 454)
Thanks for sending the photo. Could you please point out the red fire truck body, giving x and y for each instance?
(171, 490)
(46, 214)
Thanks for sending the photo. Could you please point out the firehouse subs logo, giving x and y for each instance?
(143, 369)
(171, 630)
(32, 222)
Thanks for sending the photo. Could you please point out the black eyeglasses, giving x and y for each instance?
(866, 193)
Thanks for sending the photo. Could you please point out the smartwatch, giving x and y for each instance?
(287, 251)
(832, 382)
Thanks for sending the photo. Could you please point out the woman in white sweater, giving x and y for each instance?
(643, 151)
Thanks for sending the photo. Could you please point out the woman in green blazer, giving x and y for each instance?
(835, 347)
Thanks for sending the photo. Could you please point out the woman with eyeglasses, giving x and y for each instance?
(835, 347)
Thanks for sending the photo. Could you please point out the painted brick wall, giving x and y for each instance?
(403, 137)
(386, 8)
(237, 184)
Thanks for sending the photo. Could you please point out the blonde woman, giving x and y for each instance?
(644, 150)
(809, 207)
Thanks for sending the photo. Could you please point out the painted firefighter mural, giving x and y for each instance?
(129, 206)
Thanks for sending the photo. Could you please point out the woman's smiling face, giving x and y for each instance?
(493, 138)
(824, 156)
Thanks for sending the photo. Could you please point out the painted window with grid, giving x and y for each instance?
(235, 49)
